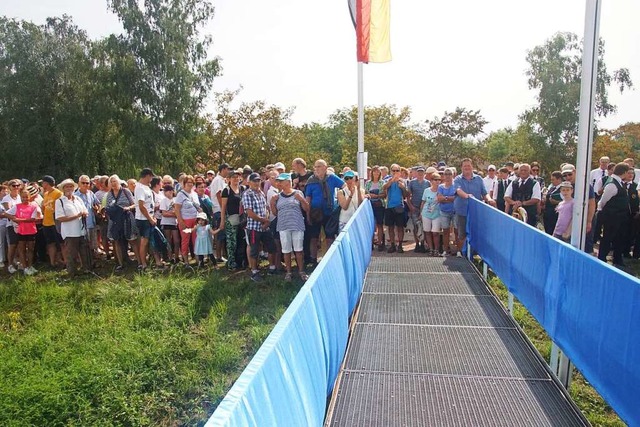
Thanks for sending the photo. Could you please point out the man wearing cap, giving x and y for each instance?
(145, 220)
(51, 234)
(416, 189)
(215, 193)
(320, 193)
(71, 212)
(490, 179)
(613, 213)
(257, 229)
(524, 192)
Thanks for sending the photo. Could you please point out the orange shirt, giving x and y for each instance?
(49, 207)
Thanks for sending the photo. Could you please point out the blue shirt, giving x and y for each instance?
(394, 196)
(313, 189)
(473, 186)
(447, 207)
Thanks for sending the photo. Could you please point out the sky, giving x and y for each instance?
(466, 53)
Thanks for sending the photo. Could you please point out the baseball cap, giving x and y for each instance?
(254, 177)
(49, 180)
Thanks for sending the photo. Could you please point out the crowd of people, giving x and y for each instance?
(239, 217)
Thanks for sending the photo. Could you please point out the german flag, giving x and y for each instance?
(371, 20)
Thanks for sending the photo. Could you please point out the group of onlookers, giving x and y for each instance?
(241, 216)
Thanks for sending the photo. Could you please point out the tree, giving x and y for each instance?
(555, 74)
(447, 134)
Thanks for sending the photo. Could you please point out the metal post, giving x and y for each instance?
(585, 143)
(362, 156)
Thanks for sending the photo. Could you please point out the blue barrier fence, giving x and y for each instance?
(590, 309)
(288, 380)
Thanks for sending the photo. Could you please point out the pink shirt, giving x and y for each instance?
(565, 212)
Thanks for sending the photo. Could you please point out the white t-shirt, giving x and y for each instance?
(11, 202)
(66, 207)
(166, 204)
(217, 185)
(189, 204)
(144, 193)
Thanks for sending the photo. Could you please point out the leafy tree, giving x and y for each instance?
(555, 74)
(448, 133)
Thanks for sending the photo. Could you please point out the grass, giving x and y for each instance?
(595, 409)
(140, 350)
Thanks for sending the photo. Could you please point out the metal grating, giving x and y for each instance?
(442, 350)
(460, 310)
(425, 283)
(379, 399)
(419, 265)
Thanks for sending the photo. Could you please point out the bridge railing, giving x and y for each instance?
(588, 308)
(288, 380)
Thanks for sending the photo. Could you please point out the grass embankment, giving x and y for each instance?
(597, 411)
(137, 351)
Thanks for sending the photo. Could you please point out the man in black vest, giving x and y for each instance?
(613, 214)
(524, 192)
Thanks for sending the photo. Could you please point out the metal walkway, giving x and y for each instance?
(432, 346)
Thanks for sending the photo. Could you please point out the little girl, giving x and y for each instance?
(26, 214)
(204, 242)
(565, 213)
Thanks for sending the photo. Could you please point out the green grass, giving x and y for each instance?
(144, 350)
(597, 411)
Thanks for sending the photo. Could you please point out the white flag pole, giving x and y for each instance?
(362, 156)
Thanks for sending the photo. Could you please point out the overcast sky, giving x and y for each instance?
(466, 53)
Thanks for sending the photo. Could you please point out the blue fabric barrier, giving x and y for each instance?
(590, 309)
(288, 380)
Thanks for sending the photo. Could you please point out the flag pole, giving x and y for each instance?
(585, 146)
(362, 155)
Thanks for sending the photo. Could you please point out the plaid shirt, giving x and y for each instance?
(256, 201)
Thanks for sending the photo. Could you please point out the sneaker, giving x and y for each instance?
(12, 269)
(391, 249)
(459, 254)
(287, 277)
(255, 277)
(304, 276)
(400, 249)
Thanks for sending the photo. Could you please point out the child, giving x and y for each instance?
(565, 212)
(204, 243)
(26, 214)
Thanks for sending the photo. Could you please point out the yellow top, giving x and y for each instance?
(49, 207)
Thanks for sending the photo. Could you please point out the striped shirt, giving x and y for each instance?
(290, 216)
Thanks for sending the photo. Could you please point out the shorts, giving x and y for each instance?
(461, 222)
(314, 229)
(26, 237)
(169, 227)
(447, 220)
(12, 237)
(220, 237)
(51, 235)
(291, 241)
(144, 228)
(254, 238)
(378, 214)
(431, 225)
(394, 219)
